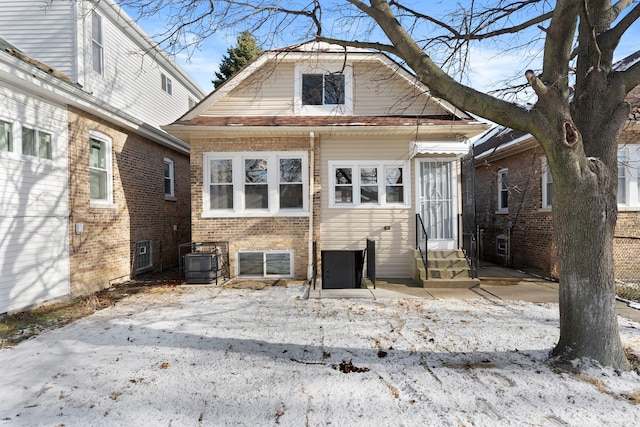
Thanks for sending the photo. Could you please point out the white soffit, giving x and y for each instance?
(458, 149)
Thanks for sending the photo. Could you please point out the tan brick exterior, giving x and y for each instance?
(263, 233)
(104, 252)
(531, 231)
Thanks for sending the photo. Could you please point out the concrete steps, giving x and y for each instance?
(446, 269)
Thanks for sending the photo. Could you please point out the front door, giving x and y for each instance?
(438, 201)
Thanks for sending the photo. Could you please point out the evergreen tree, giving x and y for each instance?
(245, 51)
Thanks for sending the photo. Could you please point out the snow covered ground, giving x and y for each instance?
(206, 356)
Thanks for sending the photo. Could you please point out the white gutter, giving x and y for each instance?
(37, 81)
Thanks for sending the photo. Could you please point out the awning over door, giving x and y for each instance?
(458, 149)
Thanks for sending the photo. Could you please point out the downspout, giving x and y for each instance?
(311, 191)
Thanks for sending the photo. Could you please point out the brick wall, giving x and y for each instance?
(104, 252)
(531, 232)
(527, 226)
(263, 233)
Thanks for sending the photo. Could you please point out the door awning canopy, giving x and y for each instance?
(450, 148)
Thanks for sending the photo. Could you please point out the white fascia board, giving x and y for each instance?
(42, 84)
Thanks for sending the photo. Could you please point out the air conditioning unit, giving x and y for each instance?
(201, 267)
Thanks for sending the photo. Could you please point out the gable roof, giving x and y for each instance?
(321, 51)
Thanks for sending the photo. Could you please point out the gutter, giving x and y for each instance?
(42, 84)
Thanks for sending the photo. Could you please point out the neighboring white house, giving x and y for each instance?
(61, 94)
(101, 49)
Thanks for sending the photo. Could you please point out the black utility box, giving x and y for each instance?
(342, 269)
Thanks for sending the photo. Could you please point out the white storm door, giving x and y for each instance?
(438, 203)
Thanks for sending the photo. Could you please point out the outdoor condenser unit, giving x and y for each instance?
(201, 267)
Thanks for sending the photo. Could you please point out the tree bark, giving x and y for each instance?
(584, 217)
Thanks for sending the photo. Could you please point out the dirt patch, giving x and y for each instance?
(257, 284)
(19, 326)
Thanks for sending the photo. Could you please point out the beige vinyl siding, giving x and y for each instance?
(267, 92)
(380, 91)
(348, 228)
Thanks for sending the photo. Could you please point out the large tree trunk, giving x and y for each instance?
(584, 217)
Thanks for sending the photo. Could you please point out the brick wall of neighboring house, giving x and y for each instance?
(527, 227)
(104, 252)
(245, 233)
(531, 235)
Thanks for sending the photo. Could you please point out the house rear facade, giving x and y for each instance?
(315, 143)
(95, 192)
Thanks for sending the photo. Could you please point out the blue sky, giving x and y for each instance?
(488, 67)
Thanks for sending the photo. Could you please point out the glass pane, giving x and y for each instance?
(312, 89)
(278, 264)
(221, 171)
(250, 264)
(44, 148)
(290, 170)
(28, 142)
(369, 194)
(96, 52)
(343, 194)
(368, 176)
(97, 154)
(167, 170)
(334, 89)
(255, 170)
(6, 139)
(395, 194)
(167, 186)
(221, 197)
(256, 197)
(96, 27)
(98, 185)
(291, 196)
(393, 176)
(343, 176)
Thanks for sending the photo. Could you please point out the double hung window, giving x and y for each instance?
(167, 84)
(368, 183)
(256, 184)
(503, 190)
(629, 176)
(547, 185)
(169, 190)
(97, 43)
(100, 172)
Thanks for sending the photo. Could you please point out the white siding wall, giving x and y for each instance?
(345, 228)
(43, 30)
(132, 79)
(58, 33)
(34, 250)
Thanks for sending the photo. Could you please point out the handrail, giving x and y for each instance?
(422, 237)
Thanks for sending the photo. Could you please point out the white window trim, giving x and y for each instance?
(99, 43)
(501, 174)
(166, 83)
(172, 194)
(544, 180)
(381, 165)
(108, 203)
(12, 139)
(264, 273)
(324, 68)
(273, 183)
(37, 131)
(631, 155)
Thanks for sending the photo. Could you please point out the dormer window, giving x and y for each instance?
(324, 89)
